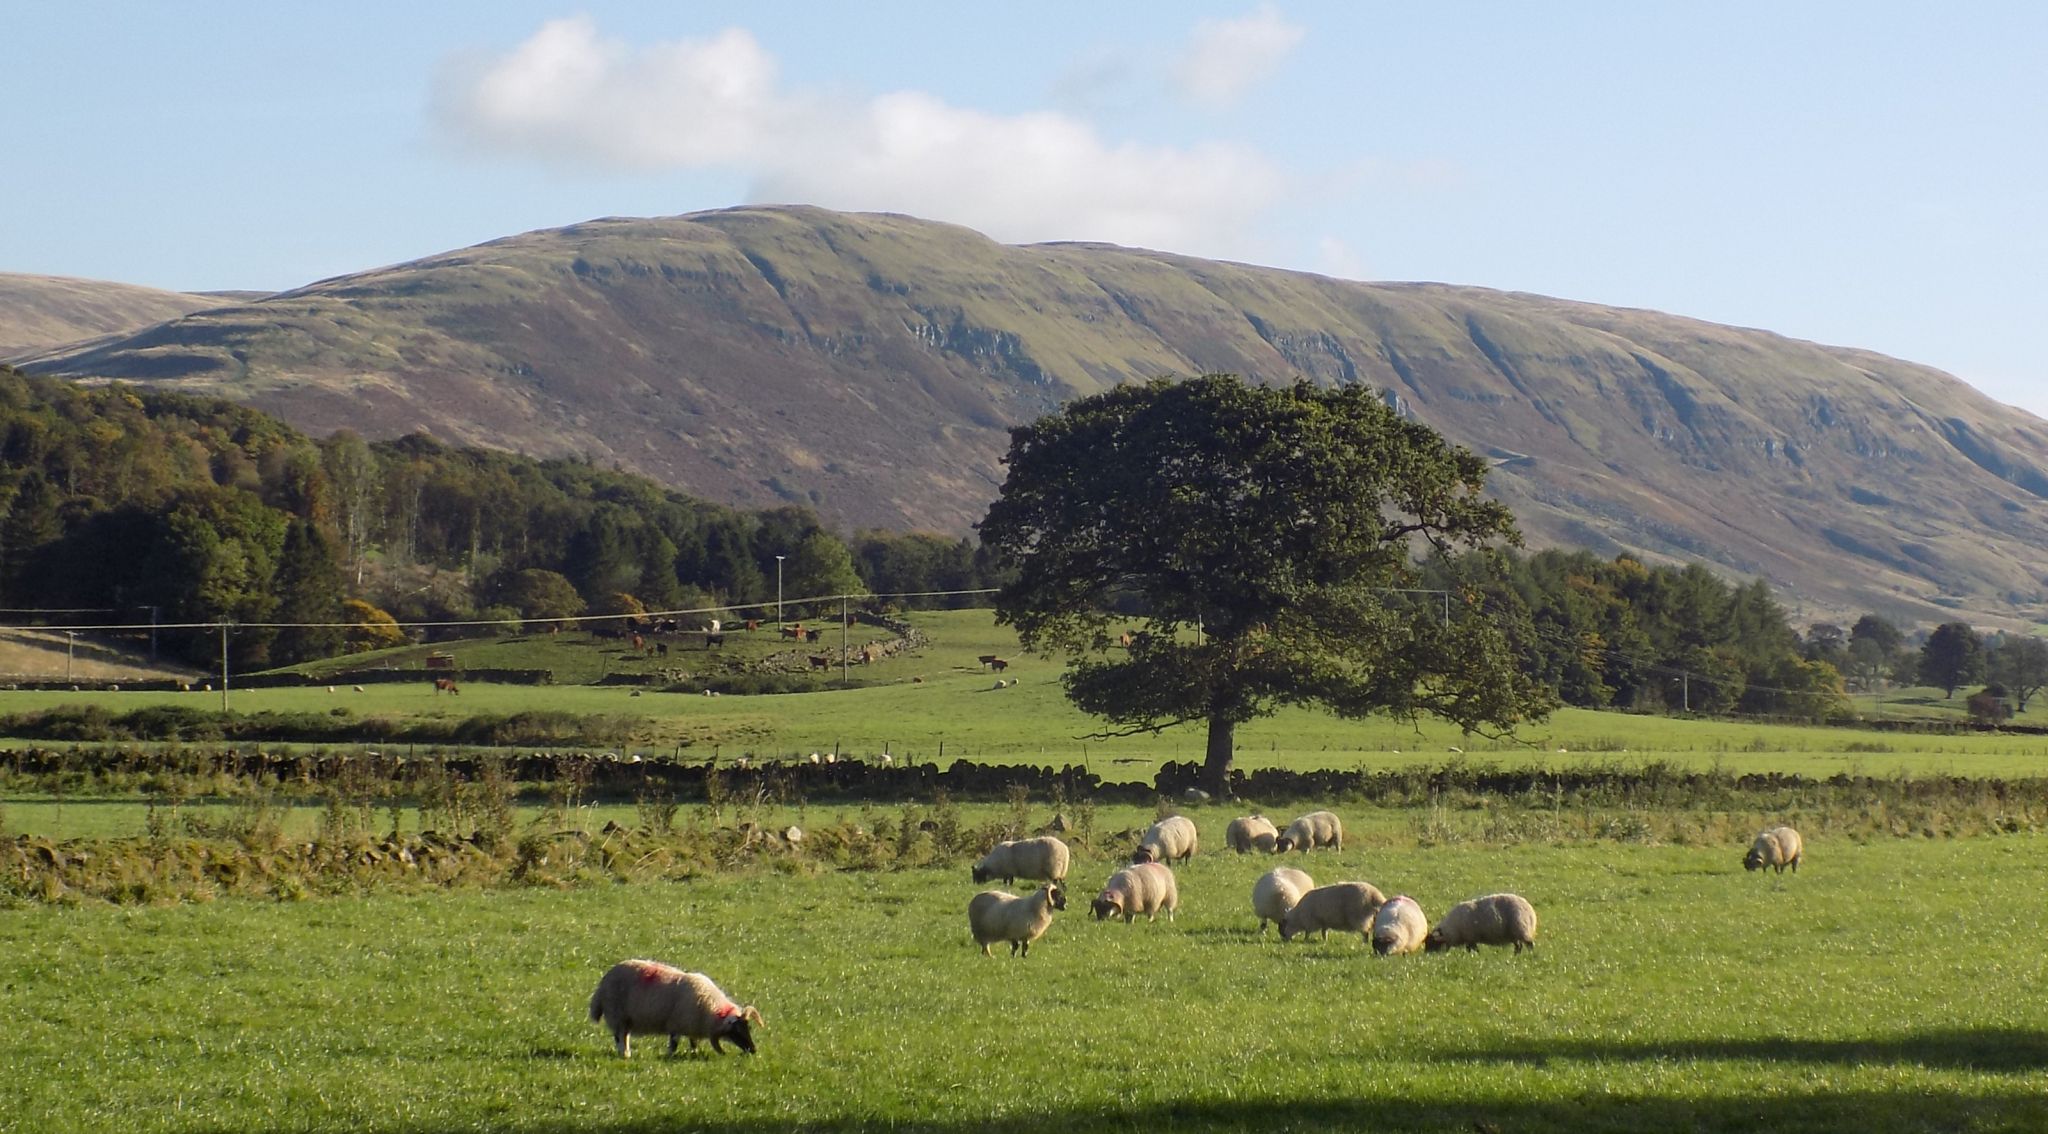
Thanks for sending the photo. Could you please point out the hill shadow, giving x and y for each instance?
(1589, 1112)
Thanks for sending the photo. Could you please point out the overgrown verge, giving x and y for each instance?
(340, 726)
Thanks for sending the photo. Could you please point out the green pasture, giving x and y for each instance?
(938, 703)
(1891, 985)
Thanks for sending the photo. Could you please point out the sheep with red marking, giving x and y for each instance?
(649, 998)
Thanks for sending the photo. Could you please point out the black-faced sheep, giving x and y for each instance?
(1276, 892)
(1249, 833)
(1778, 847)
(1043, 859)
(993, 916)
(1340, 905)
(1399, 927)
(1140, 888)
(1315, 829)
(643, 998)
(1497, 919)
(1171, 839)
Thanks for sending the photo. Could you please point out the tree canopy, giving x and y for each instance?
(1261, 534)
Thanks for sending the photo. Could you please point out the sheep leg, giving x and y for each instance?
(714, 1045)
(674, 1039)
(623, 1043)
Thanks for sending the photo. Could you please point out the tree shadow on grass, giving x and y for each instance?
(2002, 1050)
(1876, 1112)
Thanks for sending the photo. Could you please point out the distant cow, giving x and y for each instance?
(998, 664)
(796, 631)
(820, 661)
(445, 685)
(639, 642)
(661, 648)
(712, 640)
(989, 659)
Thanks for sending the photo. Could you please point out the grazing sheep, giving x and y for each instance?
(1043, 859)
(1276, 892)
(1340, 905)
(1172, 839)
(1315, 829)
(1497, 919)
(1399, 927)
(648, 998)
(993, 915)
(1251, 832)
(1778, 847)
(1140, 888)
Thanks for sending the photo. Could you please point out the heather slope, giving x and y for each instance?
(869, 365)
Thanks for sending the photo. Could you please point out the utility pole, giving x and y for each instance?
(223, 667)
(778, 589)
(70, 644)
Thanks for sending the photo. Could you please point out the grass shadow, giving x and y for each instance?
(2000, 1050)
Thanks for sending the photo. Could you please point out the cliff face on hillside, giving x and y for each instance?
(870, 365)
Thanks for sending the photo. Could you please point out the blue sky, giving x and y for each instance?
(1864, 174)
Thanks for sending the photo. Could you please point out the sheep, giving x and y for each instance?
(1399, 927)
(1315, 829)
(1778, 847)
(1251, 832)
(1276, 892)
(1140, 888)
(1497, 919)
(1340, 905)
(994, 915)
(1172, 839)
(1043, 859)
(650, 998)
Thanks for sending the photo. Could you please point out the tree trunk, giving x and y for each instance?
(1216, 764)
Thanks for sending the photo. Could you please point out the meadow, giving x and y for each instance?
(1891, 984)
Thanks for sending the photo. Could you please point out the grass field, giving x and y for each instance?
(938, 704)
(1889, 986)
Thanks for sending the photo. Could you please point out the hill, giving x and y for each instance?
(41, 312)
(869, 365)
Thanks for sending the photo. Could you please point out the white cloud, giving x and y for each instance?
(1336, 257)
(569, 95)
(1226, 58)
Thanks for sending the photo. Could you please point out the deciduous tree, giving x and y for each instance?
(1260, 529)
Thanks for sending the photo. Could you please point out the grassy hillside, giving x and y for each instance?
(870, 365)
(40, 312)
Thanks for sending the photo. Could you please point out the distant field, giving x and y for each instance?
(1888, 986)
(939, 704)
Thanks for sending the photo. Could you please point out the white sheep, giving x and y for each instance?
(1497, 919)
(1276, 892)
(1399, 927)
(648, 998)
(1315, 829)
(1140, 888)
(994, 915)
(1043, 859)
(1780, 847)
(1172, 839)
(1340, 905)
(1251, 832)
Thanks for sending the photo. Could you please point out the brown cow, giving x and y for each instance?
(820, 661)
(998, 664)
(445, 685)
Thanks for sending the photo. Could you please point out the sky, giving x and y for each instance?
(1869, 174)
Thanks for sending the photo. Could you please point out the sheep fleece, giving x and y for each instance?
(642, 998)
(1399, 927)
(1340, 905)
(1315, 829)
(1251, 832)
(1172, 839)
(1497, 919)
(1140, 888)
(1043, 859)
(1277, 891)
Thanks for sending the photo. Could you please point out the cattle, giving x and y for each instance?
(445, 685)
(998, 664)
(989, 659)
(819, 661)
(713, 640)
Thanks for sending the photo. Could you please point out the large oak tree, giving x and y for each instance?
(1262, 535)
